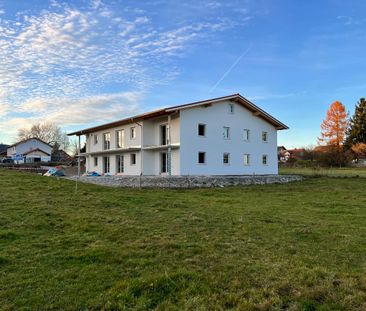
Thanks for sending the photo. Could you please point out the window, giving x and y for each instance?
(120, 164)
(226, 132)
(106, 165)
(163, 135)
(231, 108)
(246, 159)
(95, 139)
(133, 158)
(133, 132)
(264, 136)
(246, 135)
(226, 158)
(120, 139)
(201, 157)
(164, 163)
(107, 141)
(95, 161)
(201, 129)
(264, 159)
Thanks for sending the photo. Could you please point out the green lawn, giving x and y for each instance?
(299, 246)
(329, 172)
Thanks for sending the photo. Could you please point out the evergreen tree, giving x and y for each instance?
(356, 132)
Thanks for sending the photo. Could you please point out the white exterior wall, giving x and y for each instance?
(214, 145)
(151, 158)
(187, 143)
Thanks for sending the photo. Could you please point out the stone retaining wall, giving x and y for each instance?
(187, 181)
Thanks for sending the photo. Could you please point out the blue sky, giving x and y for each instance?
(82, 63)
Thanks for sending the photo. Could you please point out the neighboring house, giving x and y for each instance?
(3, 152)
(60, 156)
(221, 136)
(29, 151)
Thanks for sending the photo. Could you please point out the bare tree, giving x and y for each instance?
(48, 132)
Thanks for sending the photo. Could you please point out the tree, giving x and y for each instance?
(334, 126)
(359, 149)
(48, 132)
(356, 132)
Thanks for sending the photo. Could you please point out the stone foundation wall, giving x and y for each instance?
(187, 181)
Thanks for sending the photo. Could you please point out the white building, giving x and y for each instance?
(221, 136)
(29, 151)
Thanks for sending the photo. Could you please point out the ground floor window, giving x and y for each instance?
(226, 158)
(246, 159)
(164, 162)
(95, 161)
(120, 164)
(201, 157)
(264, 159)
(133, 158)
(106, 165)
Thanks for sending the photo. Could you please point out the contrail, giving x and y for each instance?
(231, 68)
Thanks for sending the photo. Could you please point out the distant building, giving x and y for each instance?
(222, 136)
(30, 151)
(286, 154)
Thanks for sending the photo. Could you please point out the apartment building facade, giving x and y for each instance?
(221, 136)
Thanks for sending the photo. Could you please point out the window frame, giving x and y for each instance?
(118, 163)
(204, 157)
(246, 135)
(231, 108)
(133, 133)
(246, 156)
(108, 142)
(203, 125)
(265, 162)
(228, 132)
(228, 158)
(106, 164)
(265, 136)
(133, 156)
(122, 145)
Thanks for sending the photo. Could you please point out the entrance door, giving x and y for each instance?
(164, 163)
(120, 164)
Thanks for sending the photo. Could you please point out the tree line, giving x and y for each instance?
(342, 139)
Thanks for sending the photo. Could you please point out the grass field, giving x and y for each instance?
(329, 172)
(299, 246)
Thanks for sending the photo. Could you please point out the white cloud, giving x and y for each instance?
(55, 62)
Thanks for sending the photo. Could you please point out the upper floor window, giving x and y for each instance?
(164, 134)
(264, 159)
(95, 139)
(107, 141)
(201, 129)
(226, 158)
(226, 132)
(246, 134)
(201, 157)
(133, 132)
(231, 108)
(264, 136)
(246, 159)
(120, 139)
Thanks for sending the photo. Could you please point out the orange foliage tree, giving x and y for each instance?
(334, 126)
